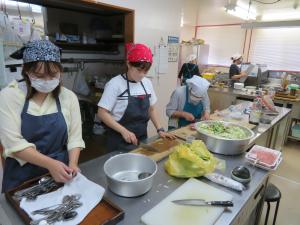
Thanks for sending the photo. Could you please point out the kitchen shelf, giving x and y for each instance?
(293, 138)
(292, 122)
(110, 40)
(102, 47)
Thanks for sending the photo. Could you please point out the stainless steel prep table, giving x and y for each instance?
(247, 205)
(276, 134)
(244, 203)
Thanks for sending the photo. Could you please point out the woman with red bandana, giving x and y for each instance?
(128, 102)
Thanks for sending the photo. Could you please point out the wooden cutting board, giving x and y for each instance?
(163, 145)
(168, 213)
(184, 132)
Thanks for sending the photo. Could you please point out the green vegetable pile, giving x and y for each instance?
(218, 128)
(190, 160)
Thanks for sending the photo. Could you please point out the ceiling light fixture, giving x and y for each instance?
(246, 12)
(281, 16)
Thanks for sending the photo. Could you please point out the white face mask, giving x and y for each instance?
(44, 86)
(194, 99)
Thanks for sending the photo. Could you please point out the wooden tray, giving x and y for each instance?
(105, 213)
(287, 99)
(285, 95)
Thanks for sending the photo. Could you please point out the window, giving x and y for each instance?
(278, 48)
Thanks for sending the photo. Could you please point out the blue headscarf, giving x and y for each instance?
(39, 50)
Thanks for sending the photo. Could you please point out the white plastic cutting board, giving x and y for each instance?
(168, 213)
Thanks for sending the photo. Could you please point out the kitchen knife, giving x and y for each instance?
(202, 202)
(148, 147)
(179, 137)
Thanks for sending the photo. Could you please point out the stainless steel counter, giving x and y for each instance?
(233, 91)
(246, 95)
(274, 133)
(232, 96)
(246, 204)
(163, 185)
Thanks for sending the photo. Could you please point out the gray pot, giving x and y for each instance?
(122, 174)
(222, 145)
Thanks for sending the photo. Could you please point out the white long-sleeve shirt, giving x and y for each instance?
(177, 102)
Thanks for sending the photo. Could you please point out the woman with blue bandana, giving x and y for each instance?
(40, 122)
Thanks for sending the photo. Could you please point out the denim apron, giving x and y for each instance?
(135, 119)
(196, 110)
(49, 134)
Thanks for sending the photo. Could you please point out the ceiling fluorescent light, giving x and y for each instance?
(182, 19)
(272, 24)
(293, 15)
(242, 11)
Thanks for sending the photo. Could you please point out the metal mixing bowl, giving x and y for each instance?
(122, 174)
(224, 146)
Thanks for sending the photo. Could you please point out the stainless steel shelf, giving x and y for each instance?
(294, 138)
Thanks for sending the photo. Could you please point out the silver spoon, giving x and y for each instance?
(144, 175)
(42, 181)
(69, 215)
(46, 218)
(67, 200)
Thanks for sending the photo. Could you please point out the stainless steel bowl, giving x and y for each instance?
(122, 174)
(222, 145)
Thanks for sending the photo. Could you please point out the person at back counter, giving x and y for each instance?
(188, 69)
(128, 102)
(40, 121)
(235, 73)
(189, 103)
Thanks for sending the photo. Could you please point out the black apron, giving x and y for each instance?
(188, 73)
(135, 119)
(49, 133)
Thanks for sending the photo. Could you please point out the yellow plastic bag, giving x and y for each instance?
(190, 160)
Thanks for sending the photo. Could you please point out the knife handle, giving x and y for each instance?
(222, 203)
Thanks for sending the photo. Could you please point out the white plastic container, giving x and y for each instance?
(238, 86)
(255, 157)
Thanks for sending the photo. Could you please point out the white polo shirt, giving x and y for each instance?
(115, 96)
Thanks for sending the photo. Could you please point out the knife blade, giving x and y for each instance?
(148, 147)
(179, 137)
(202, 202)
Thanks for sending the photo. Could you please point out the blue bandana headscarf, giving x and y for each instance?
(39, 50)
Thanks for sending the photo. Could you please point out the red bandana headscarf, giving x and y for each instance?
(138, 53)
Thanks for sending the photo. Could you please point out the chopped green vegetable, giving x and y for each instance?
(218, 128)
